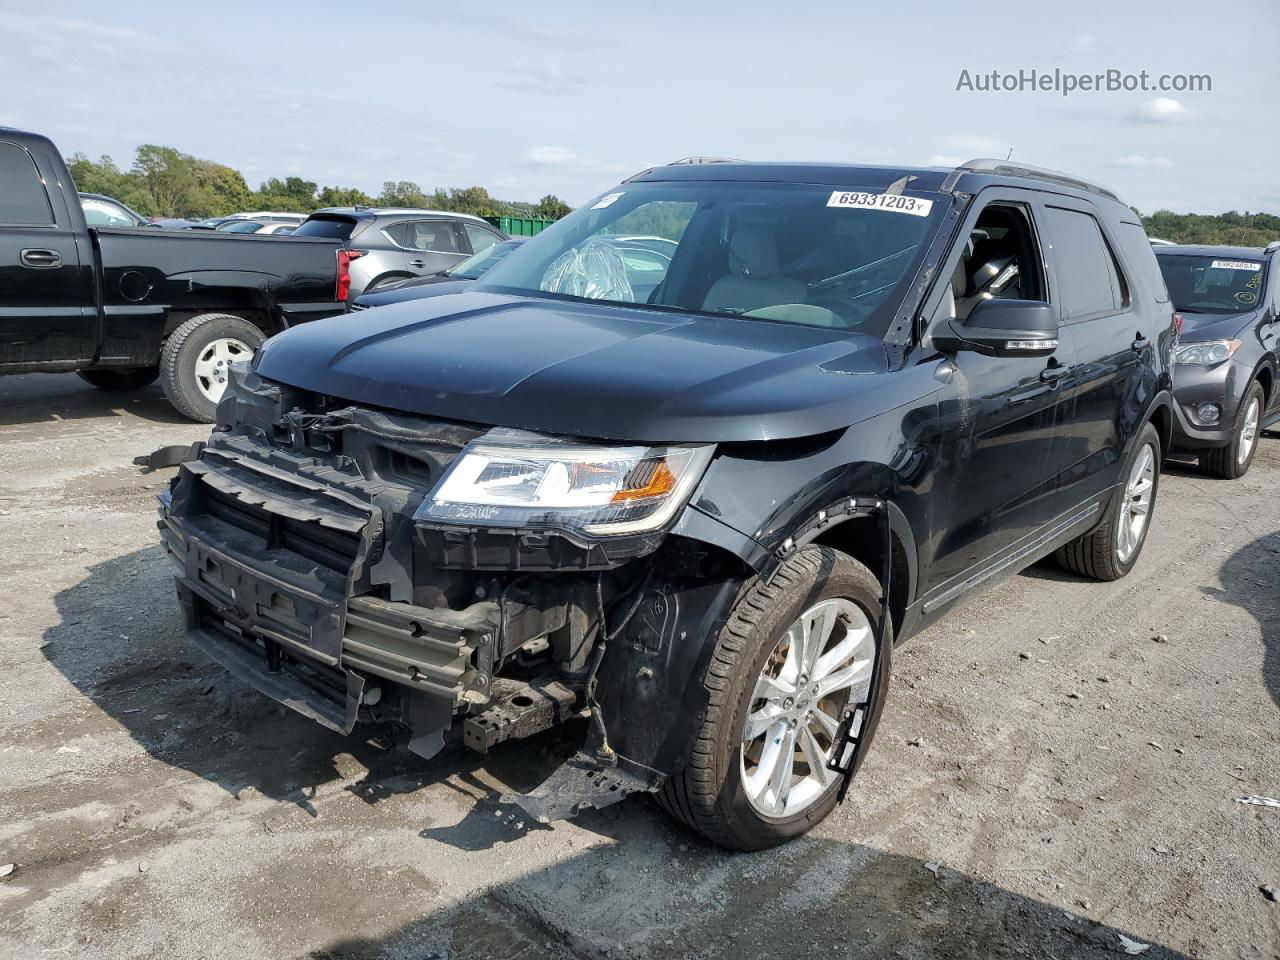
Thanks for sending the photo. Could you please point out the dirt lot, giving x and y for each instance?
(1047, 778)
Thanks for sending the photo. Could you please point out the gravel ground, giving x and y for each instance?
(1048, 776)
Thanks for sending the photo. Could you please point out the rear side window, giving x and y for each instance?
(23, 199)
(330, 228)
(481, 239)
(435, 236)
(1088, 284)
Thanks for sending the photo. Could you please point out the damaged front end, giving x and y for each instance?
(360, 565)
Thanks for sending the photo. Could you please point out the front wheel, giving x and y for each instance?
(195, 360)
(1111, 549)
(1233, 461)
(794, 653)
(121, 380)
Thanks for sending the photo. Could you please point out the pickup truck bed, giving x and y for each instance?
(125, 306)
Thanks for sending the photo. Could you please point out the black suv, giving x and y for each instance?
(1224, 368)
(696, 496)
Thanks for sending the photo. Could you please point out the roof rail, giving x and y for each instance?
(690, 160)
(1007, 169)
(1272, 246)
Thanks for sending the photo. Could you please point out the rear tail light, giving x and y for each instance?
(344, 272)
(1177, 322)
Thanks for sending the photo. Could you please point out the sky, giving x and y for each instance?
(569, 98)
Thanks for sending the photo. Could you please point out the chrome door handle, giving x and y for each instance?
(41, 259)
(1054, 374)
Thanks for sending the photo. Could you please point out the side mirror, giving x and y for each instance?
(1003, 328)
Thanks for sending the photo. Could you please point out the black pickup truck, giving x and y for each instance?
(123, 307)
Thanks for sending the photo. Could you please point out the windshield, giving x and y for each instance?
(787, 252)
(1212, 284)
(475, 265)
(241, 226)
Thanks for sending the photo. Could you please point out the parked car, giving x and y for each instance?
(258, 228)
(1224, 372)
(446, 281)
(855, 397)
(123, 307)
(395, 244)
(103, 211)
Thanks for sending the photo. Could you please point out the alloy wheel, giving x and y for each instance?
(820, 664)
(1136, 505)
(1249, 435)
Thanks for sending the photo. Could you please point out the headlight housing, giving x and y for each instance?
(510, 478)
(1206, 352)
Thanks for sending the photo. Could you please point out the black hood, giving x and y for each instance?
(1214, 326)
(586, 369)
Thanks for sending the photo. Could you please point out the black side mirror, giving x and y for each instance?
(1003, 328)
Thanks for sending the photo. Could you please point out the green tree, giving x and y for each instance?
(551, 207)
(404, 193)
(343, 197)
(169, 178)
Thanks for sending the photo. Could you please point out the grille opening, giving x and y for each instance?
(331, 548)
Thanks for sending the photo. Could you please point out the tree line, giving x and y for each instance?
(1230, 228)
(164, 182)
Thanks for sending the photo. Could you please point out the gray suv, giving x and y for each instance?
(398, 243)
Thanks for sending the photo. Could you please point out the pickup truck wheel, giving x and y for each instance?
(793, 653)
(195, 358)
(1111, 549)
(118, 381)
(1233, 461)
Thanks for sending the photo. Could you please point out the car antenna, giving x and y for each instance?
(1009, 155)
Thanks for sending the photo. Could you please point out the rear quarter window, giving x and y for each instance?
(23, 199)
(1141, 258)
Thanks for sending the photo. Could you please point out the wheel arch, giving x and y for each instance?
(247, 304)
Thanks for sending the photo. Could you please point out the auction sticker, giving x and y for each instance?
(895, 203)
(1235, 265)
(605, 201)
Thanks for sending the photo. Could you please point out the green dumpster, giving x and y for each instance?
(520, 226)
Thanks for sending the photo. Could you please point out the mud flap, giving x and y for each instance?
(850, 742)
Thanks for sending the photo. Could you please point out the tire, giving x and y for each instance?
(121, 380)
(1233, 461)
(1099, 554)
(709, 793)
(187, 353)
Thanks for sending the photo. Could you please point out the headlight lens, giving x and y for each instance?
(514, 479)
(1206, 352)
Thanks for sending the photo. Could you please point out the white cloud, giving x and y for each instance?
(549, 156)
(1159, 110)
(546, 78)
(1085, 43)
(1141, 162)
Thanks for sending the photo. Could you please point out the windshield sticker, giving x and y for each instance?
(895, 203)
(1235, 265)
(605, 201)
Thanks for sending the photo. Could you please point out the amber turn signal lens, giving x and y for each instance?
(661, 482)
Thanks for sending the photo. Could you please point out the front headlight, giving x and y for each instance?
(1207, 352)
(509, 478)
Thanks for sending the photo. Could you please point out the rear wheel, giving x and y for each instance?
(1111, 549)
(118, 381)
(195, 359)
(794, 653)
(1233, 461)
